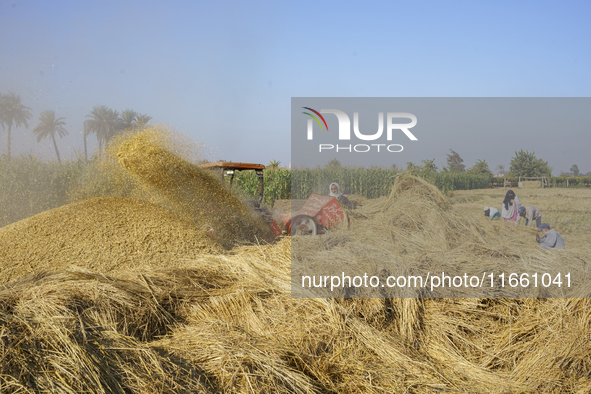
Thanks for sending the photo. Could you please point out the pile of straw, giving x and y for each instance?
(193, 192)
(228, 324)
(101, 234)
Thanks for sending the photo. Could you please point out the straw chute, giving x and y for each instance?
(193, 192)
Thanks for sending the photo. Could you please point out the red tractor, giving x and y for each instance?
(317, 214)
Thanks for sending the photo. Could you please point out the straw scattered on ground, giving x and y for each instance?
(416, 230)
(227, 322)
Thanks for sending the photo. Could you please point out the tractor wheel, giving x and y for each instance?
(303, 225)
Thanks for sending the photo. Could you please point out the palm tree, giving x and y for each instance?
(13, 112)
(87, 131)
(116, 129)
(128, 118)
(48, 127)
(104, 122)
(142, 120)
(273, 164)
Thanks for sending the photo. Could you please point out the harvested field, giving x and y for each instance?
(416, 230)
(210, 320)
(102, 235)
(531, 184)
(566, 210)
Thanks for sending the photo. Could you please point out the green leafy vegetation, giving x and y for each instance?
(454, 162)
(29, 186)
(526, 164)
(480, 168)
(371, 182)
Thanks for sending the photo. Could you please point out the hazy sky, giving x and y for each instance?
(224, 72)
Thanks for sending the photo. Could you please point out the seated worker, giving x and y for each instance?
(492, 213)
(549, 239)
(335, 191)
(530, 214)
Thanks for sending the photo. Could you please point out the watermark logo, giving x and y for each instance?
(315, 118)
(345, 130)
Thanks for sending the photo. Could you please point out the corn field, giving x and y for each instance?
(277, 185)
(369, 182)
(450, 181)
(29, 186)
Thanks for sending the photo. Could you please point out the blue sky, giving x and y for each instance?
(224, 72)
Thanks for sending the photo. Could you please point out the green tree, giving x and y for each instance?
(575, 170)
(412, 167)
(526, 164)
(13, 113)
(49, 127)
(334, 163)
(480, 168)
(501, 169)
(429, 167)
(454, 162)
(104, 123)
(273, 164)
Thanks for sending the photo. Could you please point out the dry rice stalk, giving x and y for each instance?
(101, 234)
(194, 193)
(227, 322)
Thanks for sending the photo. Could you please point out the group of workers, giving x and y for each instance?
(513, 211)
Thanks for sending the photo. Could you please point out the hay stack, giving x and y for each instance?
(193, 192)
(101, 234)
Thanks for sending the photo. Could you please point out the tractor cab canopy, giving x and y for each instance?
(228, 168)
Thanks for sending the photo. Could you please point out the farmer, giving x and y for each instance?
(335, 191)
(511, 205)
(492, 213)
(530, 214)
(549, 239)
